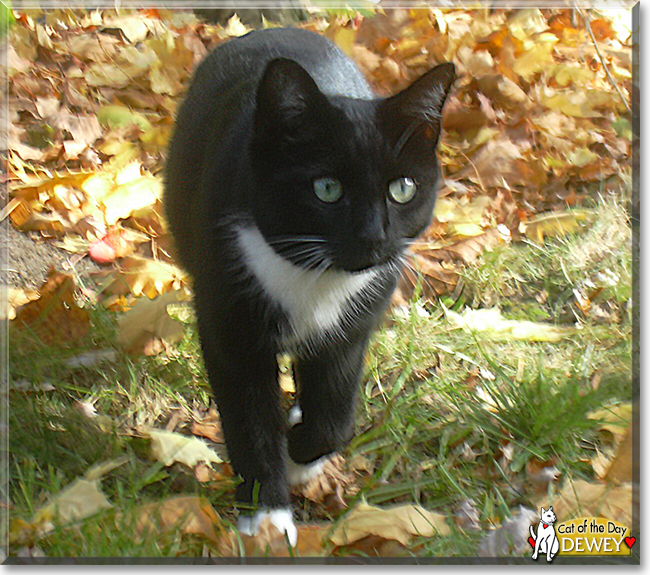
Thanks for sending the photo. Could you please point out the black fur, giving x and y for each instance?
(266, 115)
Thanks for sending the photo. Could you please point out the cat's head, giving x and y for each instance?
(548, 515)
(344, 183)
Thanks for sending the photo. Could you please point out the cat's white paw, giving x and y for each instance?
(297, 473)
(295, 415)
(281, 518)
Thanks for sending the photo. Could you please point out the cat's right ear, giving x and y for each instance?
(287, 97)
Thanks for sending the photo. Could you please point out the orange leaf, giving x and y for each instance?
(55, 318)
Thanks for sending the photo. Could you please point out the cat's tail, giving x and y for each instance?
(532, 533)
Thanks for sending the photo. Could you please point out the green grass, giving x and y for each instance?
(445, 416)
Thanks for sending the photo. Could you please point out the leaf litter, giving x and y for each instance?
(86, 144)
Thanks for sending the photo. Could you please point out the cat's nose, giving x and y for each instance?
(371, 228)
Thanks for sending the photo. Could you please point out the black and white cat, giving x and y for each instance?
(292, 193)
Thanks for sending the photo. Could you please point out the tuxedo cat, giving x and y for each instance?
(292, 193)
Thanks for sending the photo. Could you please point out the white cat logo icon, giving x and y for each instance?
(545, 541)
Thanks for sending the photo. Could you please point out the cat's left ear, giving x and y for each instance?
(287, 97)
(424, 99)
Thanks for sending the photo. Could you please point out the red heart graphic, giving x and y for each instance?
(630, 541)
(532, 542)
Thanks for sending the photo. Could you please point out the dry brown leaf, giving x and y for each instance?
(433, 277)
(583, 499)
(82, 498)
(621, 469)
(211, 431)
(500, 163)
(613, 460)
(147, 320)
(192, 515)
(269, 542)
(504, 92)
(337, 482)
(466, 250)
(401, 523)
(55, 318)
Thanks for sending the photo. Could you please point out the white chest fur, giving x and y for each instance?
(314, 301)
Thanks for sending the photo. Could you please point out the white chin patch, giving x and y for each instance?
(297, 473)
(281, 519)
(314, 300)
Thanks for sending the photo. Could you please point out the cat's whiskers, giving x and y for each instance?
(309, 257)
(405, 264)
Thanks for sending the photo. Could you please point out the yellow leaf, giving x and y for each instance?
(581, 157)
(493, 324)
(235, 27)
(553, 224)
(14, 298)
(115, 116)
(566, 73)
(464, 218)
(81, 499)
(400, 523)
(525, 23)
(344, 38)
(131, 196)
(614, 419)
(145, 276)
(165, 80)
(538, 58)
(577, 103)
(169, 448)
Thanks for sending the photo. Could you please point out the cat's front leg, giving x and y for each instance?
(244, 376)
(327, 385)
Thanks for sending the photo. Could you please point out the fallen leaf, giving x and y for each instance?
(211, 431)
(581, 498)
(113, 116)
(81, 499)
(269, 542)
(494, 325)
(169, 447)
(14, 299)
(149, 319)
(186, 514)
(401, 523)
(235, 27)
(337, 481)
(465, 250)
(553, 224)
(55, 318)
(621, 469)
(131, 196)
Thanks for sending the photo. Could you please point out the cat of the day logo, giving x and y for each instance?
(585, 536)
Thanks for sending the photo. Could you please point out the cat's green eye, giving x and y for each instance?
(402, 190)
(328, 190)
